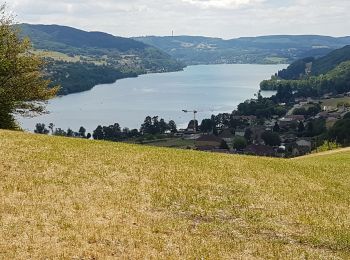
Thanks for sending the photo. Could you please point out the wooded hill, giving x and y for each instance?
(71, 52)
(312, 77)
(315, 66)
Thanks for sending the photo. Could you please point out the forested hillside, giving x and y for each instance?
(315, 66)
(72, 52)
(67, 39)
(336, 81)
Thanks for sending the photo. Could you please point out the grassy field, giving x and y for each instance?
(333, 102)
(59, 56)
(77, 199)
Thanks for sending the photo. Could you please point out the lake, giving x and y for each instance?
(210, 89)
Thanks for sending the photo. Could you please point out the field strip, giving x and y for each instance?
(323, 153)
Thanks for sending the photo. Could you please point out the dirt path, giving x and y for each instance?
(324, 153)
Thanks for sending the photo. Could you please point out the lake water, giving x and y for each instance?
(210, 89)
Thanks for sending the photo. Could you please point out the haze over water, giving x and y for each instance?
(210, 89)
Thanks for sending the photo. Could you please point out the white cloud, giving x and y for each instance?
(229, 4)
(220, 18)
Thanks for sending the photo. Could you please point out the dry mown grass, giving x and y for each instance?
(77, 199)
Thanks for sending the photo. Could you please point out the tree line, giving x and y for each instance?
(335, 81)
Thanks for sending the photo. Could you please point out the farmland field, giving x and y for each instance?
(333, 102)
(67, 198)
(59, 56)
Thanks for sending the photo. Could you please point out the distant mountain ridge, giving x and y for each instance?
(261, 49)
(59, 37)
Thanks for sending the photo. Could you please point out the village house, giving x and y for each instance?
(249, 119)
(300, 147)
(290, 120)
(288, 138)
(304, 142)
(270, 123)
(300, 151)
(257, 131)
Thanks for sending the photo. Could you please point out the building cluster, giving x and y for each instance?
(287, 128)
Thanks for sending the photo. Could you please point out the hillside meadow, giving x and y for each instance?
(67, 198)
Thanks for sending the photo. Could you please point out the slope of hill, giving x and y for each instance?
(263, 49)
(330, 61)
(62, 38)
(70, 198)
(72, 51)
(316, 67)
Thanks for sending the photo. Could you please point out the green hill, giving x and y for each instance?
(79, 60)
(78, 199)
(315, 66)
(62, 38)
(330, 61)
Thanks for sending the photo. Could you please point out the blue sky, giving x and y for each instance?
(218, 18)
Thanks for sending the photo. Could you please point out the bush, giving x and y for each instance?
(271, 138)
(239, 143)
(340, 132)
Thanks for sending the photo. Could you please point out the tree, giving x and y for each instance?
(98, 133)
(347, 116)
(146, 127)
(248, 134)
(301, 127)
(112, 132)
(41, 129)
(59, 132)
(207, 126)
(70, 132)
(239, 143)
(193, 125)
(23, 87)
(284, 93)
(51, 126)
(155, 125)
(340, 132)
(271, 138)
(172, 126)
(276, 128)
(134, 133)
(163, 126)
(223, 145)
(315, 127)
(82, 132)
